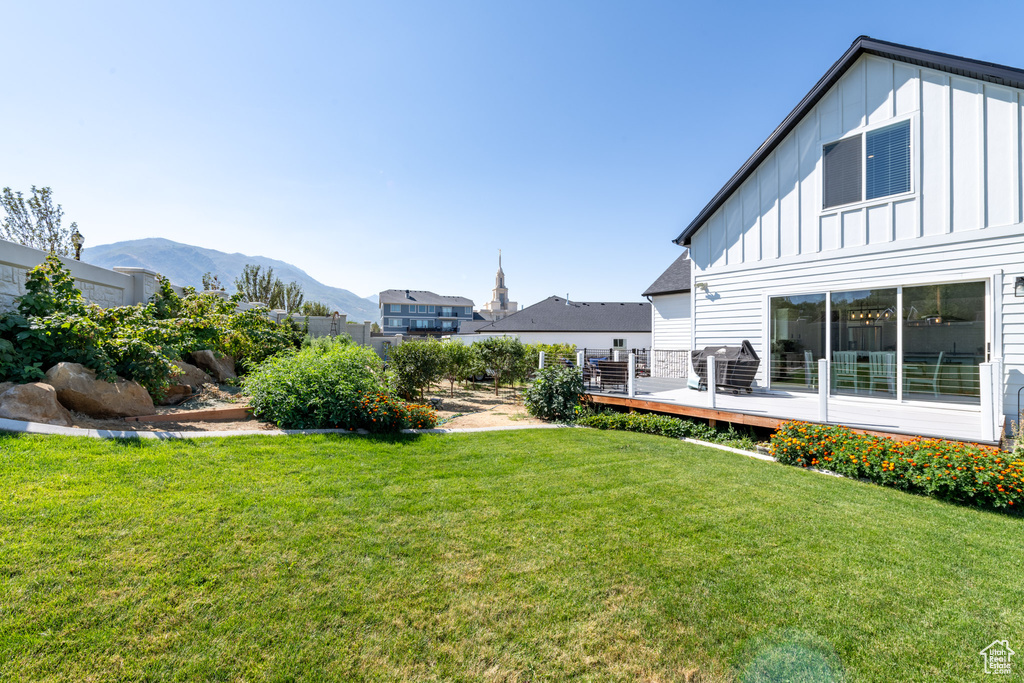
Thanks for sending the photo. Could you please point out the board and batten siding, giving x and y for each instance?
(671, 321)
(961, 219)
(735, 306)
(966, 144)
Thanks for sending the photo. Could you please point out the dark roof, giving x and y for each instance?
(418, 296)
(676, 278)
(555, 315)
(960, 66)
(473, 325)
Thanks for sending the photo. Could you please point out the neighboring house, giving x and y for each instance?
(499, 307)
(407, 311)
(878, 228)
(670, 307)
(587, 324)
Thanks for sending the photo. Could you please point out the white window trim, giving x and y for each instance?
(993, 320)
(395, 308)
(863, 132)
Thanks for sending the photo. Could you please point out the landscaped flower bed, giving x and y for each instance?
(969, 474)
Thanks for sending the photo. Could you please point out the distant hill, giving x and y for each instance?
(184, 265)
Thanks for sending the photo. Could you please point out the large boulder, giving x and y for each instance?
(175, 394)
(78, 389)
(36, 402)
(223, 368)
(191, 376)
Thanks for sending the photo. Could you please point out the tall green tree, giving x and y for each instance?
(256, 284)
(36, 222)
(291, 297)
(316, 308)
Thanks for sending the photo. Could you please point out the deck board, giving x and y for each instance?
(768, 409)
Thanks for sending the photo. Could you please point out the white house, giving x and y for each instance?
(670, 319)
(586, 324)
(876, 237)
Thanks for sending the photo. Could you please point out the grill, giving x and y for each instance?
(735, 366)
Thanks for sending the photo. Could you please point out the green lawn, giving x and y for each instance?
(570, 554)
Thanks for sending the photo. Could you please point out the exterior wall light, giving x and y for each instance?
(1018, 286)
(702, 286)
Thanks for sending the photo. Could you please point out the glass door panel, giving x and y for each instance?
(864, 337)
(943, 341)
(797, 341)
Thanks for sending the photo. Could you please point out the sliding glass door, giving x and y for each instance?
(925, 342)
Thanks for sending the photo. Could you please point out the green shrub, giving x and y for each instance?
(314, 388)
(666, 425)
(555, 393)
(968, 474)
(53, 323)
(552, 352)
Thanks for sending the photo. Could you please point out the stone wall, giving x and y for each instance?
(98, 285)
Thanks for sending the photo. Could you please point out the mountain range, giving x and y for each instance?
(185, 264)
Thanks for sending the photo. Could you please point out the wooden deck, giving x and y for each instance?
(962, 422)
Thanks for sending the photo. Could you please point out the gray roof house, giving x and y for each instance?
(587, 324)
(418, 312)
(671, 320)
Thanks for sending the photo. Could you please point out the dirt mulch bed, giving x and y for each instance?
(209, 397)
(473, 405)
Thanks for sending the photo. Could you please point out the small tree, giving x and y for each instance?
(291, 297)
(256, 284)
(211, 283)
(502, 356)
(416, 363)
(36, 222)
(457, 362)
(375, 327)
(316, 308)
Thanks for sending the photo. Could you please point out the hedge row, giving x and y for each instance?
(968, 474)
(664, 425)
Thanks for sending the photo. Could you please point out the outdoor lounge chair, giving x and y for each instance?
(882, 370)
(612, 373)
(925, 380)
(844, 368)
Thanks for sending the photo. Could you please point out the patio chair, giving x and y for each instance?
(844, 368)
(882, 370)
(925, 380)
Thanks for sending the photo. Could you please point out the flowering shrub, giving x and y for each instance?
(420, 417)
(968, 474)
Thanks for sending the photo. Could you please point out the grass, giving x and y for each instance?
(528, 555)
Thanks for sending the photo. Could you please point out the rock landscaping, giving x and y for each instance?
(79, 390)
(35, 402)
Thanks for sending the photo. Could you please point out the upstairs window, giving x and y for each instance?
(867, 166)
(396, 308)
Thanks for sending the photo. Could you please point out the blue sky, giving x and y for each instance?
(401, 144)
